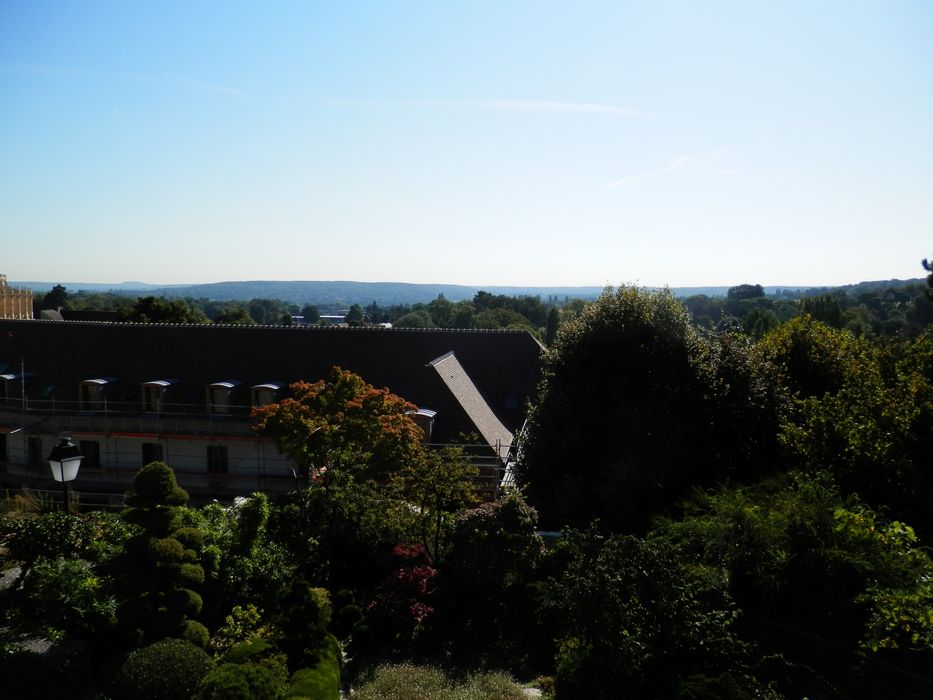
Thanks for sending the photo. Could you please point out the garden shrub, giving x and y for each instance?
(67, 595)
(303, 620)
(413, 682)
(196, 633)
(236, 682)
(322, 681)
(260, 651)
(488, 602)
(241, 625)
(171, 669)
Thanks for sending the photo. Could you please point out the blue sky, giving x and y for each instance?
(479, 143)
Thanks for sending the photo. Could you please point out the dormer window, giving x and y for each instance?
(156, 394)
(92, 393)
(264, 394)
(11, 385)
(424, 419)
(219, 396)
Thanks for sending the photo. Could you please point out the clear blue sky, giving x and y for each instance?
(500, 142)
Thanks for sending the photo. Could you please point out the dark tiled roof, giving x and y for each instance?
(504, 366)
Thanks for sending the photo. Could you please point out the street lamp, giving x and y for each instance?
(65, 460)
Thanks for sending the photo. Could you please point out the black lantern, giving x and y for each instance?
(65, 460)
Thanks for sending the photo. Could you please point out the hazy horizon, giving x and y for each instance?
(75, 286)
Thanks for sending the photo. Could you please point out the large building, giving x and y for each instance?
(129, 394)
(14, 303)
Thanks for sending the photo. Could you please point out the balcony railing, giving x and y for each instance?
(130, 417)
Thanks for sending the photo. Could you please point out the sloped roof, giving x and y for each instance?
(503, 366)
(455, 378)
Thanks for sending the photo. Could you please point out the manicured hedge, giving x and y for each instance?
(322, 682)
(168, 670)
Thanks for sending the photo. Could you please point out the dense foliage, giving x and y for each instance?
(743, 510)
(635, 406)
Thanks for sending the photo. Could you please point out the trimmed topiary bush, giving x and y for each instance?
(303, 621)
(322, 681)
(168, 670)
(196, 633)
(158, 571)
(240, 682)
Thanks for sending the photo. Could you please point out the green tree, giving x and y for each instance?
(824, 582)
(745, 291)
(550, 329)
(441, 311)
(310, 313)
(860, 410)
(438, 486)
(237, 316)
(489, 584)
(354, 316)
(414, 319)
(824, 308)
(464, 315)
(155, 310)
(267, 312)
(757, 322)
(929, 268)
(635, 406)
(640, 621)
(56, 298)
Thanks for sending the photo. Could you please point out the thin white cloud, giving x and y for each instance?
(507, 105)
(555, 106)
(629, 180)
(626, 181)
(142, 79)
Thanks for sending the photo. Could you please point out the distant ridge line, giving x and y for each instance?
(386, 293)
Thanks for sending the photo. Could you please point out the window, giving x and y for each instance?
(264, 394)
(91, 451)
(34, 451)
(13, 386)
(155, 393)
(3, 456)
(219, 396)
(424, 419)
(152, 398)
(152, 452)
(217, 459)
(93, 393)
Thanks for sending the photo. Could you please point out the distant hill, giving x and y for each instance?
(393, 293)
(120, 287)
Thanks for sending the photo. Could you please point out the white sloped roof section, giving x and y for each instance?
(464, 390)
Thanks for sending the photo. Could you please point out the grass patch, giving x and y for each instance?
(411, 682)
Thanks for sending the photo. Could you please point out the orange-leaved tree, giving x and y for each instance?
(342, 423)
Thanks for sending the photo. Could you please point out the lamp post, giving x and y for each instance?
(65, 460)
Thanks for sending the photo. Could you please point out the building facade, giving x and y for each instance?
(14, 303)
(130, 394)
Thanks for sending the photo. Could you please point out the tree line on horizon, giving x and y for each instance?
(871, 309)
